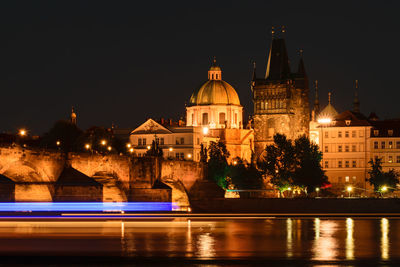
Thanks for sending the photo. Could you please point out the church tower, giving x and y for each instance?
(280, 98)
(73, 116)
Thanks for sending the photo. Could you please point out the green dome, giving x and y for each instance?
(215, 92)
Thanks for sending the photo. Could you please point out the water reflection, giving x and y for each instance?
(289, 238)
(205, 246)
(349, 239)
(384, 239)
(326, 245)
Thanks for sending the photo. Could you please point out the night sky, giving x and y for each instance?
(122, 62)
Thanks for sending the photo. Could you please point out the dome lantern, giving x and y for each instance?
(214, 73)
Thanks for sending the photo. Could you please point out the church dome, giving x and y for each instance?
(215, 91)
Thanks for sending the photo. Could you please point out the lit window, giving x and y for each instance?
(390, 144)
(390, 160)
(347, 179)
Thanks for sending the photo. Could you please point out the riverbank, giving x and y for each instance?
(298, 205)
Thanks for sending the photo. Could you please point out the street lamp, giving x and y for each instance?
(22, 132)
(87, 146)
(349, 189)
(317, 190)
(205, 130)
(109, 148)
(128, 145)
(103, 142)
(58, 143)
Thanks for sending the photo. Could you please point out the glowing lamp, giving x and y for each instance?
(234, 162)
(131, 150)
(22, 132)
(87, 146)
(205, 130)
(349, 189)
(170, 149)
(317, 189)
(289, 188)
(148, 147)
(189, 156)
(109, 148)
(324, 120)
(58, 143)
(384, 188)
(128, 145)
(103, 142)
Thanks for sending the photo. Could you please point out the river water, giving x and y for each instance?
(317, 240)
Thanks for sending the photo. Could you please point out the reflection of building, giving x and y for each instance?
(214, 114)
(280, 99)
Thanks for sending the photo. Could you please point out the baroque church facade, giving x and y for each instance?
(280, 98)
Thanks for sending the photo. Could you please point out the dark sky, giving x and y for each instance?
(126, 61)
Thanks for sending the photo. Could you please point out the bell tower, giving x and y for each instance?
(280, 98)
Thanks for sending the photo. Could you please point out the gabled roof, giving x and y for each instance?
(151, 127)
(383, 128)
(355, 118)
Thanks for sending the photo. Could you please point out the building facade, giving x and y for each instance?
(280, 99)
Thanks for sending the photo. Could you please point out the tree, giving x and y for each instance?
(308, 173)
(217, 163)
(203, 153)
(380, 180)
(245, 176)
(279, 162)
(63, 135)
(295, 165)
(155, 150)
(94, 137)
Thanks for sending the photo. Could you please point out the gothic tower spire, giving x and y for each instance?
(356, 102)
(278, 60)
(254, 72)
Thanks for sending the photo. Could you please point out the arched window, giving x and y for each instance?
(205, 119)
(222, 118)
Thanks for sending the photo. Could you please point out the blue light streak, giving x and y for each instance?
(86, 206)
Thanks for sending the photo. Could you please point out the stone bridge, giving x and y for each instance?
(35, 172)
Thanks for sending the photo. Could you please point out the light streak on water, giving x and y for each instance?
(384, 239)
(349, 239)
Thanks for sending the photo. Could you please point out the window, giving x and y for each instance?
(222, 118)
(182, 140)
(346, 134)
(397, 144)
(347, 179)
(144, 141)
(339, 148)
(326, 164)
(347, 122)
(182, 156)
(390, 132)
(376, 145)
(397, 159)
(346, 149)
(340, 179)
(236, 118)
(353, 134)
(339, 164)
(205, 119)
(376, 132)
(192, 118)
(139, 141)
(326, 148)
(390, 144)
(354, 179)
(339, 134)
(177, 155)
(353, 148)
(347, 164)
(390, 160)
(177, 141)
(198, 141)
(353, 164)
(383, 144)
(162, 141)
(326, 134)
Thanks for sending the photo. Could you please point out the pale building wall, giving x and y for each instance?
(233, 116)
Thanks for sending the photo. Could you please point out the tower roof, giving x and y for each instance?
(329, 112)
(278, 61)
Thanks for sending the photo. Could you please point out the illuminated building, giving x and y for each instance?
(214, 114)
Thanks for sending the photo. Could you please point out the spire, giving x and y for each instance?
(214, 73)
(301, 69)
(329, 98)
(254, 72)
(356, 102)
(278, 60)
(73, 116)
(316, 100)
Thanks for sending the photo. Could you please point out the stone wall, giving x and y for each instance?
(188, 172)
